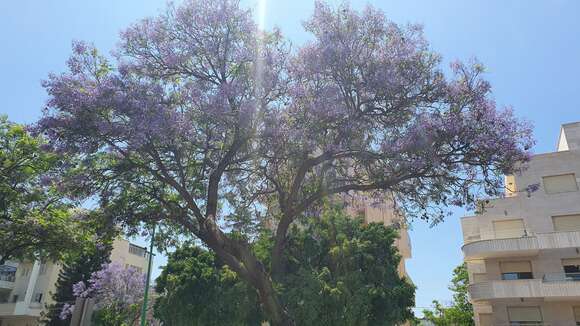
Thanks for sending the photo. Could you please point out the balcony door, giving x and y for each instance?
(516, 270)
(571, 268)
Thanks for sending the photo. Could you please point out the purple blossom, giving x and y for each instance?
(532, 188)
(112, 286)
(67, 311)
(46, 180)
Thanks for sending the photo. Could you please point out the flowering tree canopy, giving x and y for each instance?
(114, 288)
(206, 124)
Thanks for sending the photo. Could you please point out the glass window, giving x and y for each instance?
(136, 250)
(572, 268)
(516, 270)
(517, 276)
(38, 297)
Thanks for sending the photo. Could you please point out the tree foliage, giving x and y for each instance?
(205, 123)
(197, 289)
(461, 311)
(35, 221)
(340, 272)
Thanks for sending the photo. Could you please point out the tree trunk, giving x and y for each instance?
(278, 316)
(238, 256)
(277, 255)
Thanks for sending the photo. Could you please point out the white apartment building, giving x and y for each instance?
(26, 287)
(523, 250)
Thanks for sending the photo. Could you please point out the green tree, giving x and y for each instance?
(460, 313)
(197, 289)
(340, 271)
(34, 220)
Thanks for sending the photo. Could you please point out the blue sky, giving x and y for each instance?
(531, 49)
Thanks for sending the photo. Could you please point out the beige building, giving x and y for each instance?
(523, 250)
(384, 211)
(26, 287)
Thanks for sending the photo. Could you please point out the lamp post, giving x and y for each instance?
(146, 296)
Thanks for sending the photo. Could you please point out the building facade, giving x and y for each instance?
(26, 287)
(383, 210)
(523, 250)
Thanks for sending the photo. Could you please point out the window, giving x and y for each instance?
(4, 297)
(566, 223)
(560, 183)
(572, 268)
(509, 229)
(520, 316)
(15, 298)
(516, 270)
(510, 186)
(7, 273)
(136, 250)
(37, 297)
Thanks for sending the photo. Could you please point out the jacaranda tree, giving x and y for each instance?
(118, 294)
(205, 124)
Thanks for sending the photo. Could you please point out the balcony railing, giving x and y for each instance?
(551, 285)
(499, 234)
(522, 242)
(561, 277)
(7, 273)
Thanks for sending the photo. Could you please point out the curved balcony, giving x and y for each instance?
(525, 245)
(553, 286)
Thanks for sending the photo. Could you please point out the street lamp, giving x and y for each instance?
(146, 296)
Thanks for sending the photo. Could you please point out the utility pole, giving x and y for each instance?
(146, 296)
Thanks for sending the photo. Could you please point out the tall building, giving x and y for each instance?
(383, 210)
(523, 250)
(26, 287)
